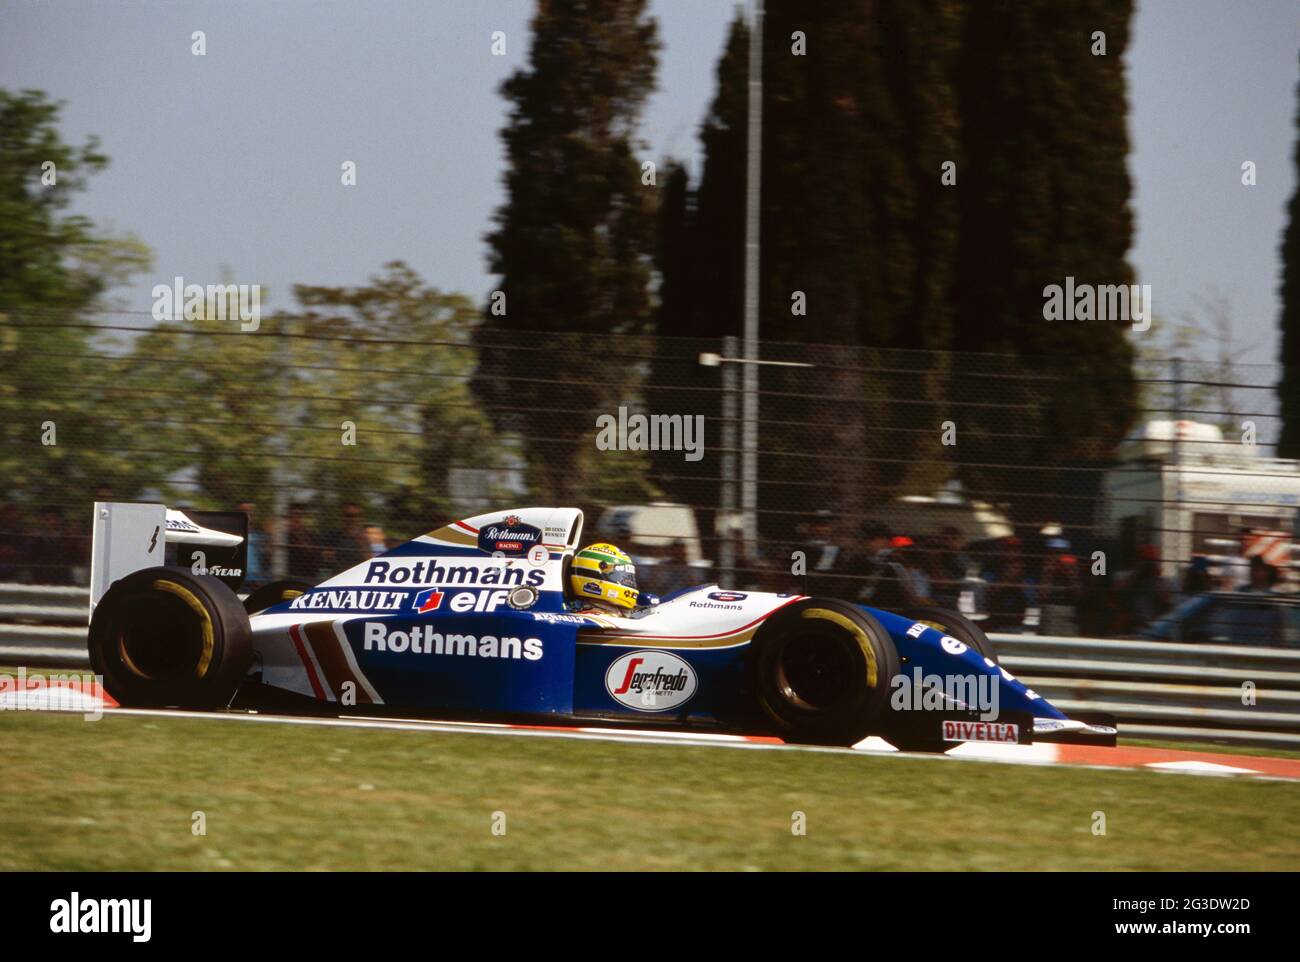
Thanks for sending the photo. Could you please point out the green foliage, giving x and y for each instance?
(574, 240)
(358, 395)
(393, 359)
(854, 217)
(55, 268)
(1044, 194)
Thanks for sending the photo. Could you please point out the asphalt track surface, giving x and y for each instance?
(1086, 756)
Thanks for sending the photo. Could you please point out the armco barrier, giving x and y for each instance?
(1166, 690)
(1156, 689)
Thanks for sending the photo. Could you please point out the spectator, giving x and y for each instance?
(1263, 576)
(47, 551)
(830, 571)
(258, 564)
(346, 546)
(1009, 597)
(952, 568)
(886, 583)
(1235, 571)
(911, 559)
(823, 553)
(374, 539)
(303, 555)
(1148, 594)
(1059, 590)
(13, 543)
(674, 572)
(1197, 579)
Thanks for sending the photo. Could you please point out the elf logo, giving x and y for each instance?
(461, 601)
(650, 681)
(428, 600)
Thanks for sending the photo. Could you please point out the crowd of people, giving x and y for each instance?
(1007, 583)
(49, 547)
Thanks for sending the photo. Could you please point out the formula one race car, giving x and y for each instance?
(474, 620)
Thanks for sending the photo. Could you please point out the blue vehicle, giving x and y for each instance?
(479, 619)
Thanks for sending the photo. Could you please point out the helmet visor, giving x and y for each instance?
(621, 574)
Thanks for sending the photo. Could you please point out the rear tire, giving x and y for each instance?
(274, 593)
(167, 637)
(821, 670)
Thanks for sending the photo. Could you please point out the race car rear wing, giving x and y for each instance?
(129, 536)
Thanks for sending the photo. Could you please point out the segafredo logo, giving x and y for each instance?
(650, 681)
(93, 916)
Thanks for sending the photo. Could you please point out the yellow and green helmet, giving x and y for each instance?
(604, 574)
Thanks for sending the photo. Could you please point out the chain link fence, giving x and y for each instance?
(999, 485)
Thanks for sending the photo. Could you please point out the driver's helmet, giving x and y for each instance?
(604, 575)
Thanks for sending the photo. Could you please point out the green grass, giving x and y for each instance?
(119, 793)
(1217, 748)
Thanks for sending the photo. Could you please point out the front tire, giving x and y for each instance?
(955, 624)
(968, 633)
(821, 670)
(167, 637)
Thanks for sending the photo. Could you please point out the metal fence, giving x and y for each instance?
(993, 481)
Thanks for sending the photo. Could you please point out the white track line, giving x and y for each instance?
(1038, 755)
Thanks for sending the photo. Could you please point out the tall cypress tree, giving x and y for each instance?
(1288, 389)
(856, 129)
(701, 265)
(1044, 194)
(573, 242)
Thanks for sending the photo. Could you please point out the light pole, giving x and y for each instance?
(753, 185)
(728, 361)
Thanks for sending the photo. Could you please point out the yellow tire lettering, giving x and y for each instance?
(853, 628)
(191, 599)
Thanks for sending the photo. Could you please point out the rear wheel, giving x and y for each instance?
(165, 636)
(822, 670)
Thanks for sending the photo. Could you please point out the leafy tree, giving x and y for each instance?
(391, 360)
(360, 394)
(573, 242)
(55, 268)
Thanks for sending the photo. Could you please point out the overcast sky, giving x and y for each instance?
(233, 159)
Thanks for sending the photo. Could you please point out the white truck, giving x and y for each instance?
(1183, 488)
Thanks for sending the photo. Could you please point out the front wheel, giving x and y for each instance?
(822, 670)
(165, 636)
(957, 625)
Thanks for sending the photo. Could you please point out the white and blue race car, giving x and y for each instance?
(473, 620)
